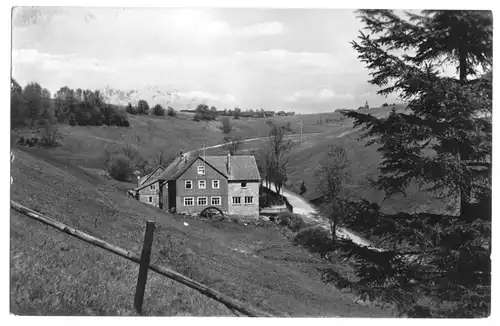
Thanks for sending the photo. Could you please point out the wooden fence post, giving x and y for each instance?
(144, 266)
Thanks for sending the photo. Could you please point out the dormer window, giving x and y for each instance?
(201, 170)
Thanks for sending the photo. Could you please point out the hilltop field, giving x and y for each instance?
(85, 145)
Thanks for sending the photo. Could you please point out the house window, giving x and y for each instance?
(150, 199)
(216, 201)
(188, 184)
(243, 185)
(188, 201)
(201, 170)
(236, 200)
(202, 201)
(152, 187)
(248, 200)
(202, 184)
(215, 184)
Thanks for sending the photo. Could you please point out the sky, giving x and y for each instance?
(280, 59)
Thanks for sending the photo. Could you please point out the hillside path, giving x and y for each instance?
(302, 207)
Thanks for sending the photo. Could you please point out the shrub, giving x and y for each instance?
(158, 110)
(98, 122)
(385, 104)
(293, 221)
(197, 116)
(119, 118)
(226, 125)
(130, 109)
(120, 168)
(171, 112)
(142, 107)
(50, 135)
(72, 120)
(236, 114)
(316, 239)
(203, 113)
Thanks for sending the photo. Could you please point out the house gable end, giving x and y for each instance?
(184, 169)
(146, 179)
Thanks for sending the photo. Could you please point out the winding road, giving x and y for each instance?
(301, 205)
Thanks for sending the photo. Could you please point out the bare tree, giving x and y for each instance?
(232, 144)
(331, 175)
(158, 159)
(276, 157)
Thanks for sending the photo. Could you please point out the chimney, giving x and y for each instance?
(228, 164)
(138, 180)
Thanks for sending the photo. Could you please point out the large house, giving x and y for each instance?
(189, 185)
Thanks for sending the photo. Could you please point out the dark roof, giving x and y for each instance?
(147, 176)
(243, 167)
(145, 184)
(177, 167)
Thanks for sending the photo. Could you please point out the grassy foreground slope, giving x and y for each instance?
(52, 273)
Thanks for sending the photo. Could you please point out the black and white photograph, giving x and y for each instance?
(250, 161)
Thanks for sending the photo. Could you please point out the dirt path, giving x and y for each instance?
(301, 205)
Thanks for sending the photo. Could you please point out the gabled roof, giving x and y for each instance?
(146, 184)
(243, 167)
(148, 176)
(176, 168)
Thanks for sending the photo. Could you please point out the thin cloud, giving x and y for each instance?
(246, 58)
(261, 29)
(312, 96)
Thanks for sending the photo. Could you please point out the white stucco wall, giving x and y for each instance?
(235, 190)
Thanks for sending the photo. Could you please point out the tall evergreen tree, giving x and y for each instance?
(442, 142)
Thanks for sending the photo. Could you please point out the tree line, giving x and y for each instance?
(203, 112)
(34, 104)
(143, 108)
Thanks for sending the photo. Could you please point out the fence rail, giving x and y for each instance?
(229, 302)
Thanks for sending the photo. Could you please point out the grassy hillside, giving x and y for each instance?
(84, 145)
(52, 273)
(364, 162)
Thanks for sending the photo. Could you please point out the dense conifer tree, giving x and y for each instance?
(433, 264)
